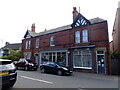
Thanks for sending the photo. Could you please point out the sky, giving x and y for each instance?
(16, 16)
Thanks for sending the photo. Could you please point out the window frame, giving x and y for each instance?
(37, 43)
(77, 37)
(52, 41)
(82, 55)
(85, 36)
(28, 44)
(27, 55)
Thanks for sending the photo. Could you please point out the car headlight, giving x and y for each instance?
(10, 66)
(65, 68)
(31, 64)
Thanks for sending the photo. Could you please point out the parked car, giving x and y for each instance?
(8, 74)
(15, 62)
(51, 67)
(26, 65)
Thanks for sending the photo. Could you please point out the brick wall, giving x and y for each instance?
(98, 36)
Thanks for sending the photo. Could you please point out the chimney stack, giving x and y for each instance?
(33, 27)
(7, 43)
(75, 13)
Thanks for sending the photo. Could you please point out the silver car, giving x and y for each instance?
(8, 74)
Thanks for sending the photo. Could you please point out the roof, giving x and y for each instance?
(92, 21)
(56, 29)
(96, 20)
(4, 60)
(14, 46)
(33, 34)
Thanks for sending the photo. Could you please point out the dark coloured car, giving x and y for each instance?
(8, 74)
(26, 65)
(51, 67)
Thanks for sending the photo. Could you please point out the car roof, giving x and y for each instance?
(5, 60)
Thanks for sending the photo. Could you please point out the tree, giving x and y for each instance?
(13, 55)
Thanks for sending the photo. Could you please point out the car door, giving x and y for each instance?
(52, 68)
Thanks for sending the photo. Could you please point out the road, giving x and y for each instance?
(35, 79)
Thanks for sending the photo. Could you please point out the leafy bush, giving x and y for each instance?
(115, 55)
(13, 55)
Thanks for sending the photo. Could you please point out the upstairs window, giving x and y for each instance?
(77, 37)
(28, 42)
(52, 41)
(37, 43)
(85, 36)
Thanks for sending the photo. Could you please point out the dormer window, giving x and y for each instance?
(52, 41)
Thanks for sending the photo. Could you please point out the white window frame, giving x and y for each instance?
(77, 37)
(97, 59)
(82, 67)
(85, 36)
(28, 44)
(52, 41)
(37, 43)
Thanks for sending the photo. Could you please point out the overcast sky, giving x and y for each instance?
(16, 16)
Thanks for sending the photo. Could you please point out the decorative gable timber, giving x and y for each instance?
(27, 35)
(80, 21)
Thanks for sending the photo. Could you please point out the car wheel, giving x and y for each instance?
(59, 72)
(26, 68)
(11, 85)
(42, 70)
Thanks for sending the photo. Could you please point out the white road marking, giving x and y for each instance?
(36, 79)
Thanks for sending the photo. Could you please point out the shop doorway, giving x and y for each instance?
(101, 62)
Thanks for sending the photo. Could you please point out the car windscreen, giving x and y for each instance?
(29, 61)
(5, 62)
(60, 64)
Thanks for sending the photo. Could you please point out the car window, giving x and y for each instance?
(21, 60)
(5, 62)
(51, 64)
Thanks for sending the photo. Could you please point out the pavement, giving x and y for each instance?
(35, 79)
(96, 76)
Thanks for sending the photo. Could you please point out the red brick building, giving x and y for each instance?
(82, 45)
(115, 44)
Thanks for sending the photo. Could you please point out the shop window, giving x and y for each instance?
(58, 57)
(85, 36)
(27, 55)
(82, 59)
(61, 58)
(77, 37)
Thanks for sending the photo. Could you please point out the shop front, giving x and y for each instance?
(83, 59)
(58, 56)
